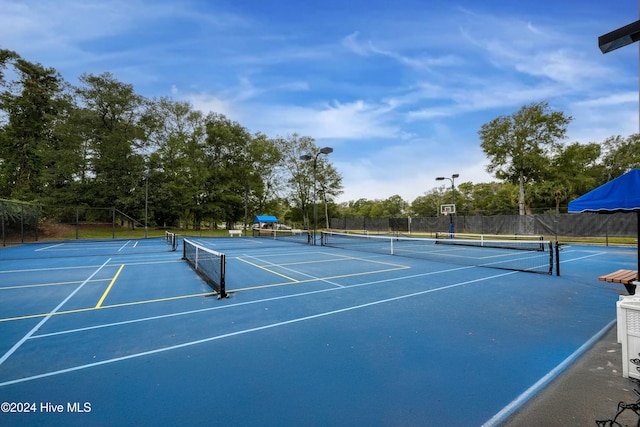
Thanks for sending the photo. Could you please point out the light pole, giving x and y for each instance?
(453, 197)
(308, 157)
(146, 203)
(616, 39)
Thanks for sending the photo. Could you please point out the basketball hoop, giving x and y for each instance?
(447, 209)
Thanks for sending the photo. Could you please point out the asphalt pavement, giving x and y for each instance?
(588, 391)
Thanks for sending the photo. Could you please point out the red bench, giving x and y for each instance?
(626, 277)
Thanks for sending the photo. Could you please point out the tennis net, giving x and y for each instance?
(209, 264)
(492, 240)
(294, 236)
(520, 255)
(172, 239)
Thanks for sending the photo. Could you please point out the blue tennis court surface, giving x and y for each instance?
(126, 333)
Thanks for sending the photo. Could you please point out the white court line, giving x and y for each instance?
(123, 246)
(517, 403)
(583, 257)
(48, 247)
(250, 330)
(270, 264)
(259, 301)
(187, 344)
(42, 322)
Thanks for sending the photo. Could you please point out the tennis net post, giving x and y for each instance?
(172, 239)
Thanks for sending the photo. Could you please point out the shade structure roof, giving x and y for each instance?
(619, 195)
(265, 219)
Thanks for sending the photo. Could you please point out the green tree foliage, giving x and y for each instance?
(620, 155)
(101, 143)
(229, 164)
(31, 106)
(263, 185)
(308, 180)
(177, 169)
(518, 146)
(573, 171)
(114, 122)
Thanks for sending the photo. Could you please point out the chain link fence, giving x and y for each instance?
(25, 222)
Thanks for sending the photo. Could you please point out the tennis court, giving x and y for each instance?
(126, 333)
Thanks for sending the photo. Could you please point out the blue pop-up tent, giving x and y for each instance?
(266, 219)
(263, 220)
(619, 195)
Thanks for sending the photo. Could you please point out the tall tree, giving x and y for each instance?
(573, 171)
(302, 174)
(228, 152)
(177, 165)
(299, 174)
(519, 146)
(264, 187)
(620, 155)
(494, 198)
(30, 106)
(115, 121)
(65, 159)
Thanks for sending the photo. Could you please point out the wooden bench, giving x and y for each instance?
(235, 233)
(626, 277)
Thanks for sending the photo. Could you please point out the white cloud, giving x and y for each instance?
(209, 103)
(400, 99)
(616, 99)
(409, 168)
(353, 120)
(421, 62)
(600, 118)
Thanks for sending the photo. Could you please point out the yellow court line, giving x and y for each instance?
(124, 304)
(205, 294)
(106, 292)
(266, 269)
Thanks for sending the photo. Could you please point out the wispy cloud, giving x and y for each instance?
(368, 48)
(400, 90)
(342, 121)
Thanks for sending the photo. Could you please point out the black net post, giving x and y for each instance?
(37, 225)
(557, 250)
(4, 238)
(22, 222)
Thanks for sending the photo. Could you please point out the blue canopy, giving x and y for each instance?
(265, 219)
(619, 195)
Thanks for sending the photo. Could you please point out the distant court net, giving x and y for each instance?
(536, 256)
(491, 240)
(294, 236)
(172, 239)
(209, 264)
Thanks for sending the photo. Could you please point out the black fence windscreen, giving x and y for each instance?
(552, 226)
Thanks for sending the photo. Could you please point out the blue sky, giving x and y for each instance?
(398, 89)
